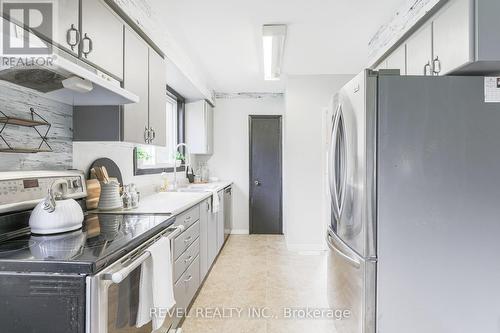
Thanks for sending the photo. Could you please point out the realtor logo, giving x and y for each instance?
(36, 16)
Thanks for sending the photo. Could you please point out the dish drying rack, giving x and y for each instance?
(35, 122)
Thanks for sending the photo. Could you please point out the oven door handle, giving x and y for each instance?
(122, 274)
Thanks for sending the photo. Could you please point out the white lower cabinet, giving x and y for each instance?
(196, 248)
(187, 285)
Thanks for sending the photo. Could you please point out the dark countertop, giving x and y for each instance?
(102, 240)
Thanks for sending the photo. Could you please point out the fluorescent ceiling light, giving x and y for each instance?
(273, 44)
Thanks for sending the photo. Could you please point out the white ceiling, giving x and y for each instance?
(223, 37)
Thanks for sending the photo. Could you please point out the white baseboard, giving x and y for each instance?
(239, 232)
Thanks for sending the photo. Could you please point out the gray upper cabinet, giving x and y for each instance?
(419, 52)
(453, 38)
(460, 38)
(68, 35)
(199, 127)
(381, 65)
(397, 60)
(102, 37)
(157, 98)
(143, 122)
(136, 80)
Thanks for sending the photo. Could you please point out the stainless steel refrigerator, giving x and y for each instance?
(414, 176)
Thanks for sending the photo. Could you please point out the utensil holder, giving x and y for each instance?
(110, 196)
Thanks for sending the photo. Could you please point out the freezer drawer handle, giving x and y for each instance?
(332, 244)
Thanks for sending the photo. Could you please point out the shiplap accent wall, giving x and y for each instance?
(16, 101)
(403, 21)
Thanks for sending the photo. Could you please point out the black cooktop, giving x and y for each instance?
(103, 239)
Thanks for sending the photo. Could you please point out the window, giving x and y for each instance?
(149, 159)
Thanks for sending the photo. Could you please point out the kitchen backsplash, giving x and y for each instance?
(17, 101)
(122, 154)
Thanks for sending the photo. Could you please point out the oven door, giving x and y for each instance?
(113, 294)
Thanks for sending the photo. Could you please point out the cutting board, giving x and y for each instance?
(93, 193)
(111, 167)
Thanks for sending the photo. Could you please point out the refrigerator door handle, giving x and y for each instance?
(342, 130)
(333, 165)
(337, 245)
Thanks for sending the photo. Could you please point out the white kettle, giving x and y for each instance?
(56, 214)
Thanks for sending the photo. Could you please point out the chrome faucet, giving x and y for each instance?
(186, 163)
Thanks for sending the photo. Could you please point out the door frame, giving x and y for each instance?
(250, 189)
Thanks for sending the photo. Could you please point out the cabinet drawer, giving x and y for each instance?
(185, 259)
(187, 285)
(188, 217)
(184, 240)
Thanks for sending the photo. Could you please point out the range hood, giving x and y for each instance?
(68, 81)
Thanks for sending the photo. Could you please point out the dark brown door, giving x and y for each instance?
(265, 175)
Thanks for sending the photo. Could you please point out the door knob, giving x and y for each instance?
(257, 183)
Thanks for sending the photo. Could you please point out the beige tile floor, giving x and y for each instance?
(258, 272)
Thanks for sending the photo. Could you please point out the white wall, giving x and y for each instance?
(231, 145)
(304, 159)
(84, 153)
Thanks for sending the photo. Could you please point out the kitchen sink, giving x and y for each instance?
(198, 188)
(189, 189)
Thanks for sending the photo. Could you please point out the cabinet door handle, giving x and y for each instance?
(69, 37)
(146, 135)
(208, 207)
(187, 240)
(188, 279)
(427, 69)
(90, 45)
(188, 259)
(436, 66)
(152, 134)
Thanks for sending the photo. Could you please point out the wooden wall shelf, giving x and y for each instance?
(24, 122)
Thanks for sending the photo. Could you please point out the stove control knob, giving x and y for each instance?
(76, 183)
